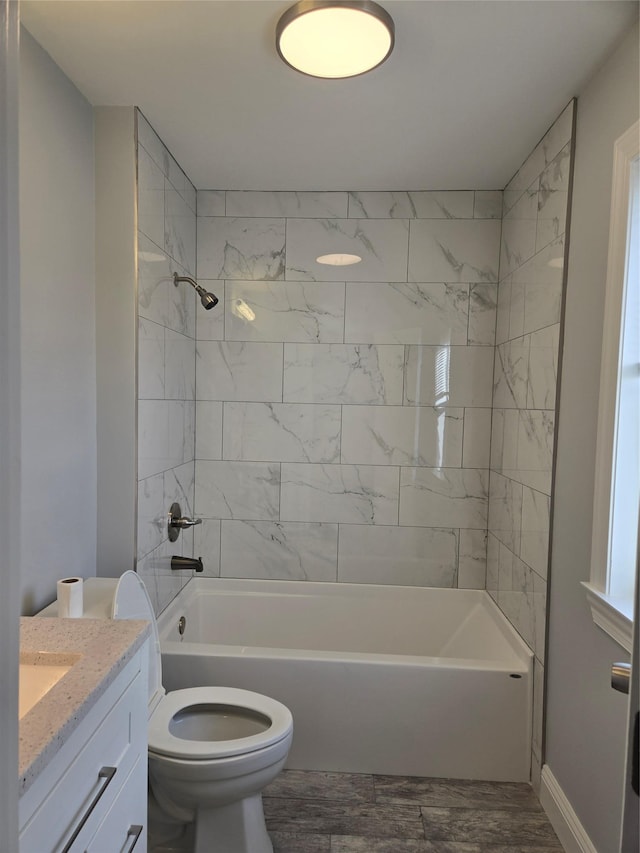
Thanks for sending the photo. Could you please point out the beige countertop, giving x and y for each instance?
(101, 648)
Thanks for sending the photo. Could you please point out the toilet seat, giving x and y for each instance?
(163, 742)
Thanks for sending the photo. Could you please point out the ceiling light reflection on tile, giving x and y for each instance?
(240, 308)
(338, 259)
(151, 256)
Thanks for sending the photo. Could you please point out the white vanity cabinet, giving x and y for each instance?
(92, 795)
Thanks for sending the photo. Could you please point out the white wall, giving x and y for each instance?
(586, 720)
(58, 328)
(9, 423)
(115, 153)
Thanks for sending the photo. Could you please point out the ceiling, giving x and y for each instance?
(470, 88)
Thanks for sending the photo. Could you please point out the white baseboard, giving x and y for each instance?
(562, 817)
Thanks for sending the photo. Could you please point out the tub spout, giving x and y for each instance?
(190, 564)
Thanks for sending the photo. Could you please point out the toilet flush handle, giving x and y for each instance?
(177, 522)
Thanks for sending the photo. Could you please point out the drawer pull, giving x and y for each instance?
(135, 831)
(107, 774)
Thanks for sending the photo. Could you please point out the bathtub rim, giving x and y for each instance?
(521, 664)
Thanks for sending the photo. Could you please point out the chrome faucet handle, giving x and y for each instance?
(177, 522)
(185, 522)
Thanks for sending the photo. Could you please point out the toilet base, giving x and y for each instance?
(235, 828)
(166, 834)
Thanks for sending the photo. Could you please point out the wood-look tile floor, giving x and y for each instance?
(318, 812)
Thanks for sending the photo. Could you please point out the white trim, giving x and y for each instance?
(612, 615)
(572, 834)
(603, 606)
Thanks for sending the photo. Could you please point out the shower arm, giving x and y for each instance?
(178, 278)
(209, 300)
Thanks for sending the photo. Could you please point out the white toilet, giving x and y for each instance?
(211, 749)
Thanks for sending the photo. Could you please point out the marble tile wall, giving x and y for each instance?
(166, 361)
(343, 414)
(388, 422)
(524, 393)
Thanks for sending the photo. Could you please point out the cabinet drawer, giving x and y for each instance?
(124, 828)
(85, 791)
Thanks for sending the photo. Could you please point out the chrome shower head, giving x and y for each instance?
(208, 300)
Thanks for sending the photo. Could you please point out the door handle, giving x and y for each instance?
(621, 677)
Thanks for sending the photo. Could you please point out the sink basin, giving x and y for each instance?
(39, 672)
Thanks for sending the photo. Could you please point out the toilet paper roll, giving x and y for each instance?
(70, 598)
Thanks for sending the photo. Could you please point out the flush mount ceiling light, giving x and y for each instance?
(339, 260)
(328, 38)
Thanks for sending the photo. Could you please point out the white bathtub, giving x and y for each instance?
(380, 679)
